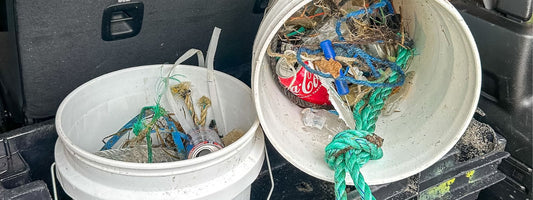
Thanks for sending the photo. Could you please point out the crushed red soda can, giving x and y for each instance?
(306, 86)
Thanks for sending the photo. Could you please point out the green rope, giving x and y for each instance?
(140, 125)
(300, 30)
(149, 146)
(351, 149)
(159, 112)
(403, 56)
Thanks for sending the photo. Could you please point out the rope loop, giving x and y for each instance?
(349, 151)
(353, 142)
(366, 57)
(359, 12)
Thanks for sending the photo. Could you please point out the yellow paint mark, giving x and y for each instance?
(438, 191)
(470, 173)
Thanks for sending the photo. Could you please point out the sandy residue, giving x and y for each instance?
(478, 139)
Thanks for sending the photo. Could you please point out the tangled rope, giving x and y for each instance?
(204, 103)
(356, 14)
(351, 149)
(356, 52)
(183, 91)
(142, 130)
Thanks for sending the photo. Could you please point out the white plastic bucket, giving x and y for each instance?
(101, 106)
(433, 117)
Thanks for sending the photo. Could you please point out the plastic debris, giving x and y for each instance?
(155, 135)
(357, 45)
(322, 119)
(313, 118)
(137, 154)
(148, 130)
(202, 139)
(360, 53)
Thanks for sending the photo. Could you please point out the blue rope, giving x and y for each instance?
(389, 6)
(366, 57)
(357, 52)
(114, 139)
(310, 52)
(356, 14)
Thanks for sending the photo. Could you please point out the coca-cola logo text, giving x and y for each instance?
(309, 83)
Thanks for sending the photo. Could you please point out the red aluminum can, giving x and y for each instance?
(307, 86)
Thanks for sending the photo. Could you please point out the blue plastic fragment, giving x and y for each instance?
(342, 87)
(113, 140)
(177, 136)
(333, 112)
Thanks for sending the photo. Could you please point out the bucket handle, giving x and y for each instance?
(185, 57)
(211, 81)
(53, 177)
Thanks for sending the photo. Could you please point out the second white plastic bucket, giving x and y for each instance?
(433, 117)
(101, 106)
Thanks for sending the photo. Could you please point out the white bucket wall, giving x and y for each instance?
(433, 117)
(101, 106)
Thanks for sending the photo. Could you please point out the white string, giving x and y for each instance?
(271, 176)
(53, 172)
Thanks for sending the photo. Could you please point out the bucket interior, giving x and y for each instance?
(103, 105)
(431, 119)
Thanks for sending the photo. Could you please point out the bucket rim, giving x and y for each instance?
(93, 159)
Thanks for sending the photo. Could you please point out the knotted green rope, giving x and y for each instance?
(159, 112)
(141, 125)
(351, 149)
